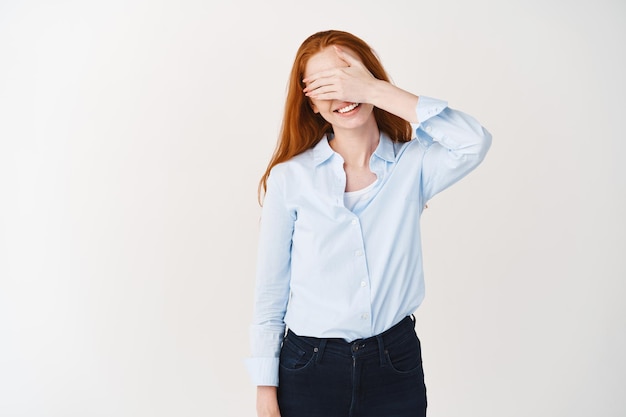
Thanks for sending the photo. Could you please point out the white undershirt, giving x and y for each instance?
(352, 198)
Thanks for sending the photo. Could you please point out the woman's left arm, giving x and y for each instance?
(455, 143)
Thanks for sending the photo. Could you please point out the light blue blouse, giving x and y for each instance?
(326, 271)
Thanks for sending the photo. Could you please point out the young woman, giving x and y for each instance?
(339, 271)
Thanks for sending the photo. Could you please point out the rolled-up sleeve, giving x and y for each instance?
(272, 283)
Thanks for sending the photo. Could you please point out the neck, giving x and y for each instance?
(356, 146)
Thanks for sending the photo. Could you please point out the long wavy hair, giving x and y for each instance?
(302, 128)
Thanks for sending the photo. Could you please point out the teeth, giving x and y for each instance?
(348, 108)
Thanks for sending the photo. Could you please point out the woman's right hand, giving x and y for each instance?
(267, 402)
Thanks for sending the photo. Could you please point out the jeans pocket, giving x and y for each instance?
(293, 357)
(405, 357)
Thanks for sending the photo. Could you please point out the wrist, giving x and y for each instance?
(267, 401)
(378, 92)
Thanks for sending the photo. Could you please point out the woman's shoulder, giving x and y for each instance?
(292, 175)
(296, 164)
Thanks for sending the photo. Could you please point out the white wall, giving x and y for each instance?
(132, 137)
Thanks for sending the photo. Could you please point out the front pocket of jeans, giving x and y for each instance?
(293, 357)
(405, 358)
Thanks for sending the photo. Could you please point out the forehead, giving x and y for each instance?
(325, 59)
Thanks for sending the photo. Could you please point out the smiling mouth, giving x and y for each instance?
(348, 108)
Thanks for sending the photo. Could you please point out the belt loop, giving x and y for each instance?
(320, 350)
(381, 350)
(413, 318)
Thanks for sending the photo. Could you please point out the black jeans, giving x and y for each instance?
(380, 376)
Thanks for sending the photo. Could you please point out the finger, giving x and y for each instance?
(320, 75)
(324, 92)
(315, 83)
(329, 95)
(312, 86)
(346, 56)
(327, 92)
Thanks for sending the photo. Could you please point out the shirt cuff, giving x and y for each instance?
(263, 371)
(426, 108)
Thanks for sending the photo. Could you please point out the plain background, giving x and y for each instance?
(132, 138)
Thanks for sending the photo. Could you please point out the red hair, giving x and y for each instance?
(302, 128)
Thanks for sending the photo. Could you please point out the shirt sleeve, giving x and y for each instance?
(455, 143)
(272, 283)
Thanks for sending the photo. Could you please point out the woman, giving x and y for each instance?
(340, 262)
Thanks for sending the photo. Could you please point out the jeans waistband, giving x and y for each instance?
(362, 347)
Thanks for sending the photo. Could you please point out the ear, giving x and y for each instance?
(313, 106)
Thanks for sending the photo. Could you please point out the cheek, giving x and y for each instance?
(316, 105)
